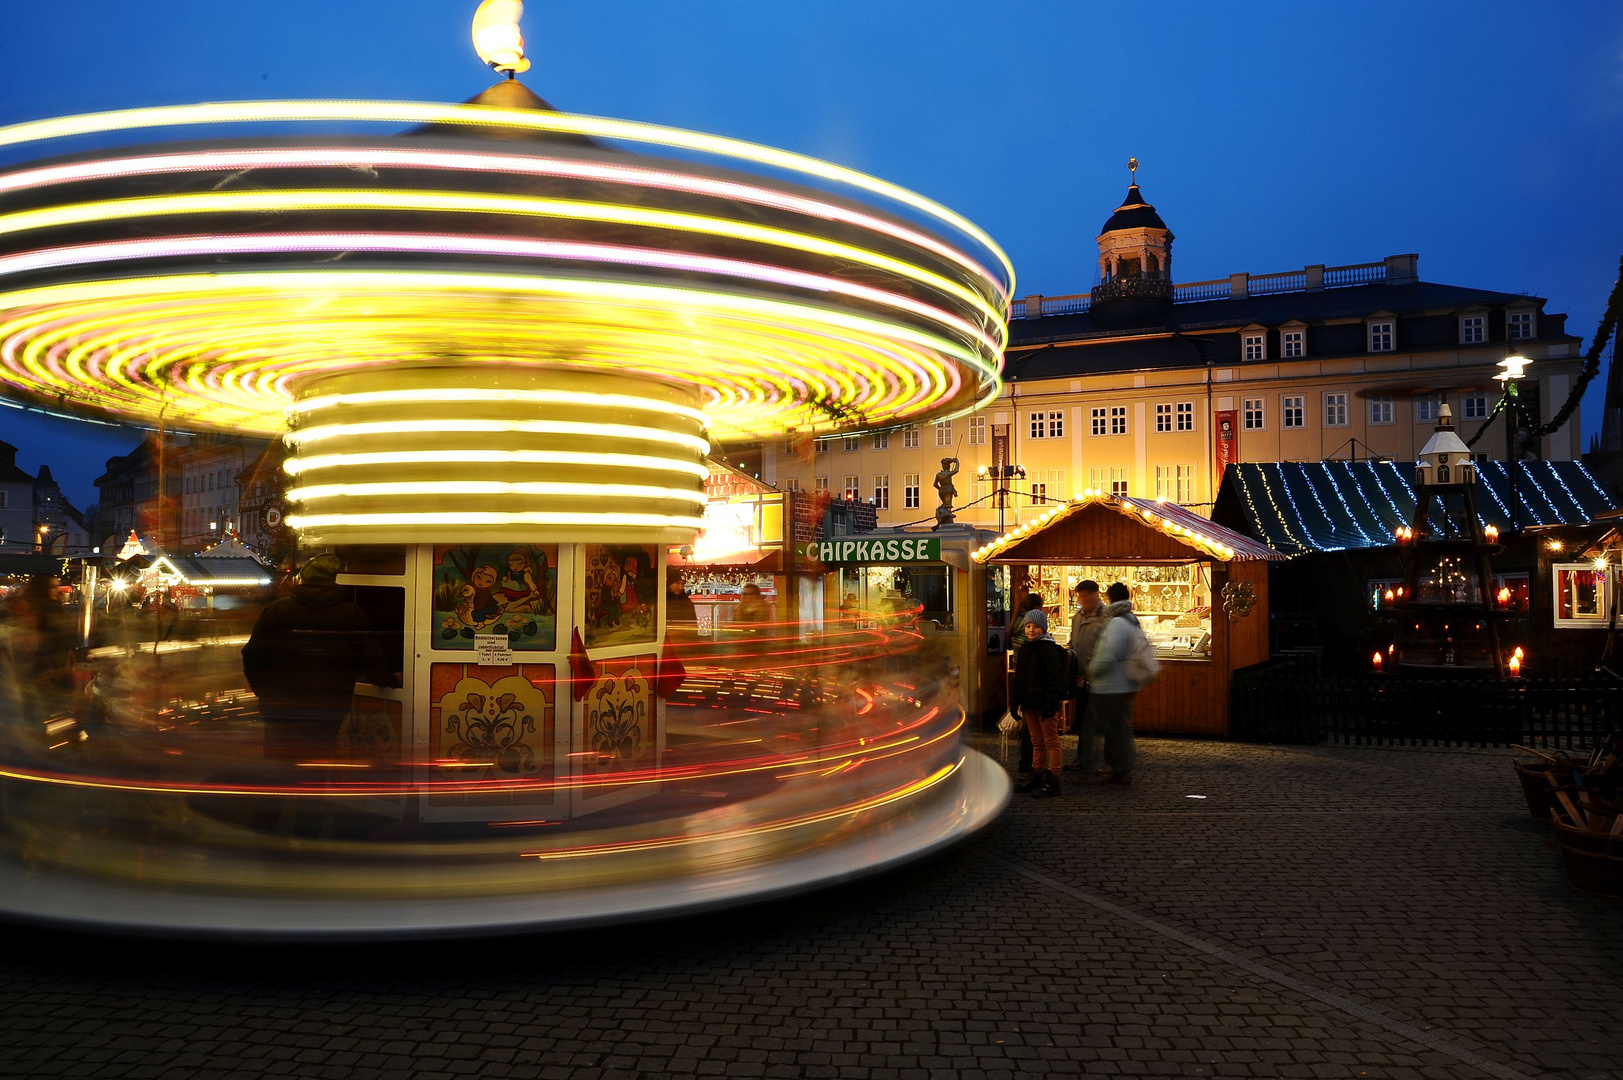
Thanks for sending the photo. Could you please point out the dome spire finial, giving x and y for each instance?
(1132, 169)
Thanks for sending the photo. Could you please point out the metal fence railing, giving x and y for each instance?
(1292, 701)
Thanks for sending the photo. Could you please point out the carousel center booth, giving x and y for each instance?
(1200, 592)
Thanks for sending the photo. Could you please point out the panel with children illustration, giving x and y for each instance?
(507, 589)
(622, 595)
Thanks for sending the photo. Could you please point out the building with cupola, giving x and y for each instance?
(1149, 387)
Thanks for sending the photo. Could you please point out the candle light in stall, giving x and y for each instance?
(1492, 533)
(1515, 665)
(1379, 659)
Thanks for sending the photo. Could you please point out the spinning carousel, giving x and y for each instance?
(498, 342)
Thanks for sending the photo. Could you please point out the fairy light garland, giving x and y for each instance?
(1204, 540)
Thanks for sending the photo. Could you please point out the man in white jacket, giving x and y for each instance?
(1111, 688)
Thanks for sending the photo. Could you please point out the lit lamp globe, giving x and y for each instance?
(496, 36)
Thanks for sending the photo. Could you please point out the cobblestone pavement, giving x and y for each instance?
(1323, 912)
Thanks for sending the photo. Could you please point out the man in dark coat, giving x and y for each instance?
(303, 659)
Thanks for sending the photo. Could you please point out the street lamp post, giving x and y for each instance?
(1511, 369)
(1001, 474)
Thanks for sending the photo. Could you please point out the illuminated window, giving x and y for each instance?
(1520, 324)
(1380, 337)
(881, 440)
(1291, 342)
(881, 491)
(910, 490)
(1186, 416)
(1118, 420)
(1380, 410)
(910, 437)
(1166, 482)
(1253, 414)
(1113, 480)
(1335, 410)
(1163, 418)
(1186, 484)
(943, 433)
(852, 489)
(977, 430)
(1475, 406)
(1294, 410)
(1256, 346)
(1580, 594)
(1473, 329)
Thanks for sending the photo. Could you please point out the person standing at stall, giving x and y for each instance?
(1017, 641)
(1086, 623)
(1040, 690)
(1115, 673)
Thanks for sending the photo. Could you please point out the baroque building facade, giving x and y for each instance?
(1149, 388)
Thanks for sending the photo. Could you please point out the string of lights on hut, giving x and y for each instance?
(1159, 514)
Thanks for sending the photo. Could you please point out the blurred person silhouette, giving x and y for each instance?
(1113, 682)
(37, 645)
(752, 606)
(303, 659)
(1040, 688)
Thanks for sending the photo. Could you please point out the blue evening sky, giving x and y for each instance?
(1486, 136)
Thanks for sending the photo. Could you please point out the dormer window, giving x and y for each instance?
(1292, 343)
(1519, 325)
(1382, 335)
(1473, 329)
(1254, 346)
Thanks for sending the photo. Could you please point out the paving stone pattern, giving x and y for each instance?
(1323, 912)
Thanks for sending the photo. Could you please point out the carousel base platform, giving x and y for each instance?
(975, 794)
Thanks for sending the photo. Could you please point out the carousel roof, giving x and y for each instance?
(1305, 507)
(1183, 526)
(214, 572)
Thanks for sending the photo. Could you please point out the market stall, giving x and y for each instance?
(1200, 592)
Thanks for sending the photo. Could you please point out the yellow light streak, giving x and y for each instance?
(492, 487)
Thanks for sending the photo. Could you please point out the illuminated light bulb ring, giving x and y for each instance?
(785, 295)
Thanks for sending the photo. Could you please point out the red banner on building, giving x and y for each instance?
(1226, 452)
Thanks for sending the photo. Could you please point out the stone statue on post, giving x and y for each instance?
(945, 488)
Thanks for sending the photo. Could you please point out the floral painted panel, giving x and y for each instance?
(492, 724)
(620, 720)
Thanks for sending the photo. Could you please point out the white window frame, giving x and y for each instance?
(881, 491)
(1254, 346)
(1293, 405)
(1163, 416)
(1166, 482)
(977, 431)
(820, 446)
(1118, 420)
(1292, 344)
(910, 437)
(1604, 599)
(1253, 407)
(1186, 416)
(850, 444)
(1473, 329)
(1111, 479)
(1056, 424)
(1100, 419)
(1474, 407)
(790, 483)
(1383, 336)
(943, 432)
(1037, 493)
(852, 489)
(1037, 425)
(910, 491)
(1337, 408)
(1425, 409)
(1186, 485)
(1381, 411)
(1520, 325)
(819, 483)
(881, 440)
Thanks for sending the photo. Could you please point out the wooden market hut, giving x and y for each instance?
(1172, 553)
